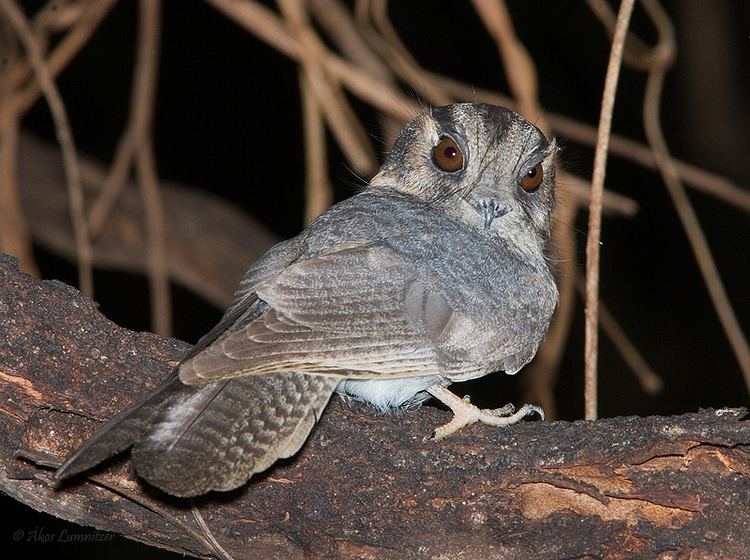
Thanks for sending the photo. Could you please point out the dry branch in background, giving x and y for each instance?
(366, 485)
(35, 57)
(371, 63)
(356, 51)
(209, 241)
(656, 61)
(595, 211)
(663, 54)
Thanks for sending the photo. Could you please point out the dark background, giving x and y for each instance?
(228, 120)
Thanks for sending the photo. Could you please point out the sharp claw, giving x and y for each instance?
(537, 409)
(465, 413)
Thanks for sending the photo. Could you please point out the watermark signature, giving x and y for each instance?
(41, 534)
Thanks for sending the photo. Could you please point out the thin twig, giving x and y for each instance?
(345, 126)
(519, 68)
(14, 234)
(636, 53)
(65, 137)
(398, 57)
(650, 381)
(126, 492)
(349, 37)
(101, 207)
(138, 127)
(595, 210)
(318, 192)
(56, 16)
(135, 147)
(158, 272)
(383, 97)
(339, 25)
(143, 107)
(685, 211)
(262, 22)
(578, 193)
(65, 50)
(220, 551)
(267, 26)
(657, 60)
(15, 237)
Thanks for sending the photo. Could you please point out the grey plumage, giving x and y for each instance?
(425, 278)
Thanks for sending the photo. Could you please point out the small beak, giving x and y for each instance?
(491, 209)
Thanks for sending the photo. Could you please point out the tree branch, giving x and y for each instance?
(209, 242)
(365, 485)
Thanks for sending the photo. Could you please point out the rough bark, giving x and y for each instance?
(365, 485)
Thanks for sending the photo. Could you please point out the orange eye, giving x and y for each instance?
(447, 155)
(533, 178)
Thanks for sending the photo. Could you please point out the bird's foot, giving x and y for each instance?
(465, 413)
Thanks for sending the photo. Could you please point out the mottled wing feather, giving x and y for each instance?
(131, 424)
(318, 399)
(122, 430)
(220, 434)
(364, 311)
(240, 309)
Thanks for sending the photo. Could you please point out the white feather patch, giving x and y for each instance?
(388, 394)
(179, 413)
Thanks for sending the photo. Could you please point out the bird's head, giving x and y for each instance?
(486, 165)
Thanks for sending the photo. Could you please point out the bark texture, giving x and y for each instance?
(365, 485)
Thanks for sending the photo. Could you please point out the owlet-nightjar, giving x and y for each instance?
(436, 273)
